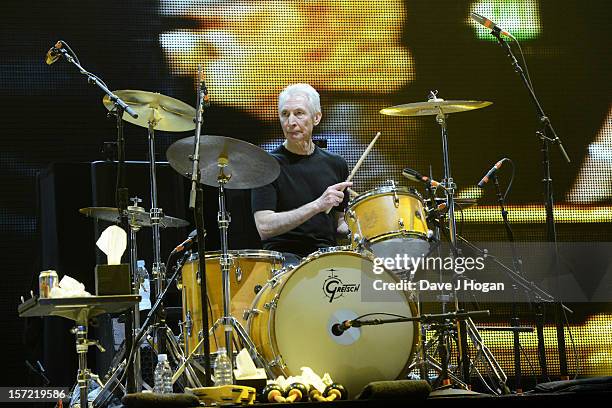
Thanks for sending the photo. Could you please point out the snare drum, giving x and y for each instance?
(249, 272)
(390, 221)
(292, 317)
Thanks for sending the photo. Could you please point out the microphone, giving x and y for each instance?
(188, 243)
(54, 53)
(206, 98)
(488, 24)
(491, 172)
(414, 175)
(338, 328)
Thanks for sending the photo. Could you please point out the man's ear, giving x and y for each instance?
(317, 118)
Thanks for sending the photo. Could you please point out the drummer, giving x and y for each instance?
(292, 214)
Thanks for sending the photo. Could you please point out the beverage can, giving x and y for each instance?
(46, 281)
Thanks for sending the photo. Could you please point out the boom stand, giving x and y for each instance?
(546, 130)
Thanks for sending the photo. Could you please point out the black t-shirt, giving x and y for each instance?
(302, 179)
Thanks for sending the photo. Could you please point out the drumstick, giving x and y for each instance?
(360, 162)
(362, 158)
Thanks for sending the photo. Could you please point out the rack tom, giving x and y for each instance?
(389, 221)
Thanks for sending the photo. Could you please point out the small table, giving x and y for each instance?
(79, 309)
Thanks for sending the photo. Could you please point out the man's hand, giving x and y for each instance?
(332, 196)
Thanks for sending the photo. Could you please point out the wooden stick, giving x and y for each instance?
(359, 163)
(362, 158)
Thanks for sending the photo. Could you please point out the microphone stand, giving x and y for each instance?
(547, 135)
(196, 203)
(121, 194)
(514, 320)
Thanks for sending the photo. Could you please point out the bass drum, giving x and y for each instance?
(249, 271)
(292, 317)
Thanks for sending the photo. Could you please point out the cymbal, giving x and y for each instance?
(433, 107)
(165, 113)
(246, 165)
(136, 216)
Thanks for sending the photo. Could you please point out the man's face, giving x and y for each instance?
(297, 120)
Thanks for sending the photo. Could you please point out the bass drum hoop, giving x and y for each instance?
(240, 253)
(278, 283)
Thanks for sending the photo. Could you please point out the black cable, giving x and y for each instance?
(524, 62)
(511, 178)
(380, 314)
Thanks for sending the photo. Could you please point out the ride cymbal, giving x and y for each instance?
(433, 107)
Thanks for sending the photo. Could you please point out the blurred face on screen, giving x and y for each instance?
(251, 49)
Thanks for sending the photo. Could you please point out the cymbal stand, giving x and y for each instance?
(163, 333)
(449, 189)
(134, 228)
(229, 322)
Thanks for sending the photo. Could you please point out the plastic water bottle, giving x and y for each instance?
(163, 375)
(223, 368)
(145, 285)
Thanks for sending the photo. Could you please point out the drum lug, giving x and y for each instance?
(277, 362)
(274, 281)
(238, 273)
(272, 304)
(250, 312)
(401, 222)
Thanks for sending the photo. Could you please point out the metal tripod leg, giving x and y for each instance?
(483, 352)
(243, 337)
(249, 345)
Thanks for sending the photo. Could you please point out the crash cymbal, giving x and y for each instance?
(247, 165)
(433, 107)
(136, 216)
(165, 113)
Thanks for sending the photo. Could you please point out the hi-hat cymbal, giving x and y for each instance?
(165, 113)
(433, 107)
(246, 165)
(136, 216)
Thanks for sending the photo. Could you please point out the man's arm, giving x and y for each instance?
(270, 223)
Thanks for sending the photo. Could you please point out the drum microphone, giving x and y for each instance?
(414, 175)
(482, 20)
(186, 244)
(338, 328)
(491, 172)
(206, 97)
(54, 53)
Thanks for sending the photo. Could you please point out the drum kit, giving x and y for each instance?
(288, 312)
